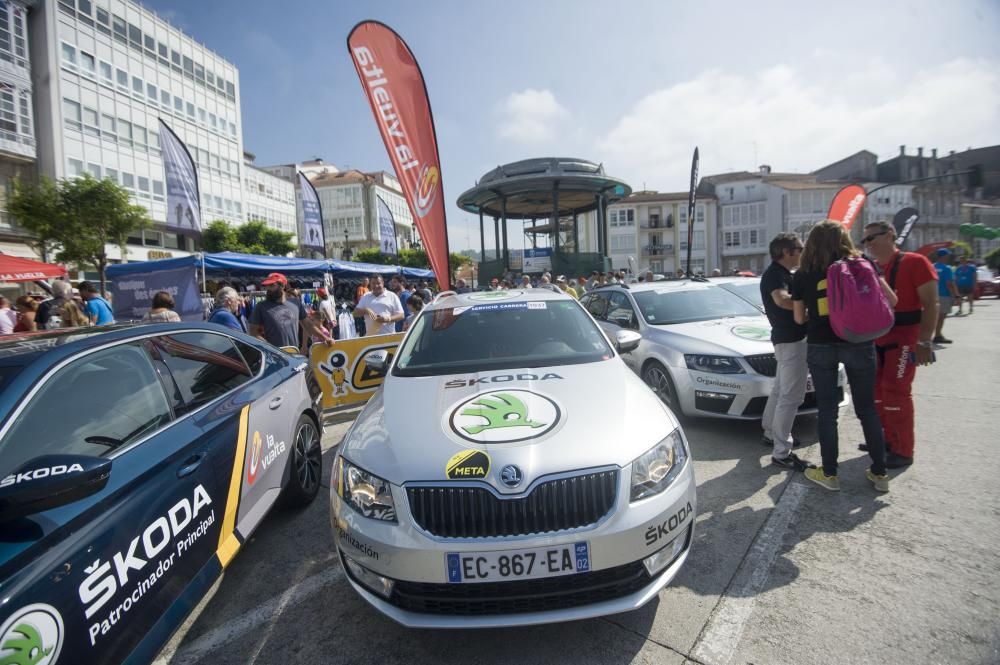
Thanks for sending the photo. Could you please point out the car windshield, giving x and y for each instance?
(695, 304)
(749, 291)
(501, 336)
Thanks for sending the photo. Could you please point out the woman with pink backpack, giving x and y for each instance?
(843, 301)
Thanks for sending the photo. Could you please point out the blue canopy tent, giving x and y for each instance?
(134, 284)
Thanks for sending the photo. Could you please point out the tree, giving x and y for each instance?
(81, 216)
(250, 238)
(408, 258)
(36, 209)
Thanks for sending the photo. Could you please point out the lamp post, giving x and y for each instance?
(347, 250)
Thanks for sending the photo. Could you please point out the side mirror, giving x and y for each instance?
(377, 362)
(50, 481)
(627, 340)
(622, 320)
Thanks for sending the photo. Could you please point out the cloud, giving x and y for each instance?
(780, 117)
(531, 116)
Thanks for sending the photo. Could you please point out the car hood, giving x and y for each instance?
(567, 417)
(741, 335)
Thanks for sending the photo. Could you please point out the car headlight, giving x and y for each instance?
(365, 492)
(658, 467)
(716, 364)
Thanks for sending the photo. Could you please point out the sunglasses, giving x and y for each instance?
(869, 238)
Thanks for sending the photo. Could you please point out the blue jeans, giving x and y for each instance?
(859, 362)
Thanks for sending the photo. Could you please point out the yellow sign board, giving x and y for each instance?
(342, 370)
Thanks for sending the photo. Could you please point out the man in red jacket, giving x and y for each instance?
(908, 344)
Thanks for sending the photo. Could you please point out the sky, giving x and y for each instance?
(632, 85)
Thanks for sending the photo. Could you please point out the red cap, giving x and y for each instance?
(321, 291)
(275, 278)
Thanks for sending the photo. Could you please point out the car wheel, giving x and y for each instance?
(306, 464)
(656, 377)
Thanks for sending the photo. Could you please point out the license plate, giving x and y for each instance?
(471, 567)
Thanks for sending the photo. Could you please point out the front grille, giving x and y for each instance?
(475, 512)
(765, 364)
(553, 593)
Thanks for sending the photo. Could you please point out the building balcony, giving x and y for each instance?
(652, 224)
(17, 144)
(657, 250)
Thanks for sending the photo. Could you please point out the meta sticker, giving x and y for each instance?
(468, 464)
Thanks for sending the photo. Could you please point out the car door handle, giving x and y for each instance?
(275, 403)
(190, 465)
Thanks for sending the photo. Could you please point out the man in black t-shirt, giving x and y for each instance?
(789, 342)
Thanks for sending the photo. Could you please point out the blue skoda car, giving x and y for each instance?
(134, 463)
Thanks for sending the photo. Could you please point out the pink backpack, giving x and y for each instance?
(859, 311)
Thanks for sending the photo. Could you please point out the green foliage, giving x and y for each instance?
(250, 238)
(79, 216)
(408, 258)
(993, 259)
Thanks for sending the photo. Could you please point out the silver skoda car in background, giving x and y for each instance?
(511, 470)
(705, 350)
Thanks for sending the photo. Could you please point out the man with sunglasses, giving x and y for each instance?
(907, 344)
(789, 339)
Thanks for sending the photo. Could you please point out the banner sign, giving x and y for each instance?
(537, 260)
(132, 294)
(396, 92)
(312, 216)
(846, 205)
(386, 228)
(342, 371)
(903, 223)
(183, 202)
(691, 199)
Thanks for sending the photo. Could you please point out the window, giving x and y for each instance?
(71, 113)
(202, 366)
(149, 43)
(118, 24)
(171, 240)
(106, 72)
(188, 65)
(74, 167)
(151, 92)
(95, 170)
(139, 135)
(202, 117)
(620, 311)
(732, 238)
(87, 63)
(122, 78)
(232, 128)
(128, 181)
(162, 50)
(754, 237)
(178, 104)
(230, 89)
(199, 72)
(137, 85)
(103, 16)
(111, 174)
(165, 98)
(175, 58)
(134, 35)
(68, 54)
(25, 116)
(119, 383)
(597, 304)
(84, 6)
(152, 238)
(190, 110)
(154, 139)
(211, 78)
(158, 192)
(213, 121)
(8, 119)
(125, 131)
(90, 125)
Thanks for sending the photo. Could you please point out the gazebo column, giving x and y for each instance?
(576, 232)
(482, 237)
(555, 217)
(496, 232)
(506, 249)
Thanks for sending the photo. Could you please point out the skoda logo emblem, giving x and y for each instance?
(511, 476)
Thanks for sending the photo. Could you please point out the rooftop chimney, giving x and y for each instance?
(951, 153)
(920, 152)
(902, 151)
(934, 153)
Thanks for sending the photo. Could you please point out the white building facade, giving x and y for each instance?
(651, 228)
(269, 199)
(112, 69)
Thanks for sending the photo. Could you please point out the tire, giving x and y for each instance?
(657, 377)
(305, 465)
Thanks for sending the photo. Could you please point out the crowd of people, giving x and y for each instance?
(880, 372)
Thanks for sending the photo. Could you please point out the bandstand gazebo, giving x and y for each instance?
(551, 193)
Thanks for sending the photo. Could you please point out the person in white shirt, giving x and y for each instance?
(380, 308)
(327, 308)
(8, 317)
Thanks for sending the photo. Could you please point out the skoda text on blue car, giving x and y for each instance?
(134, 462)
(511, 470)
